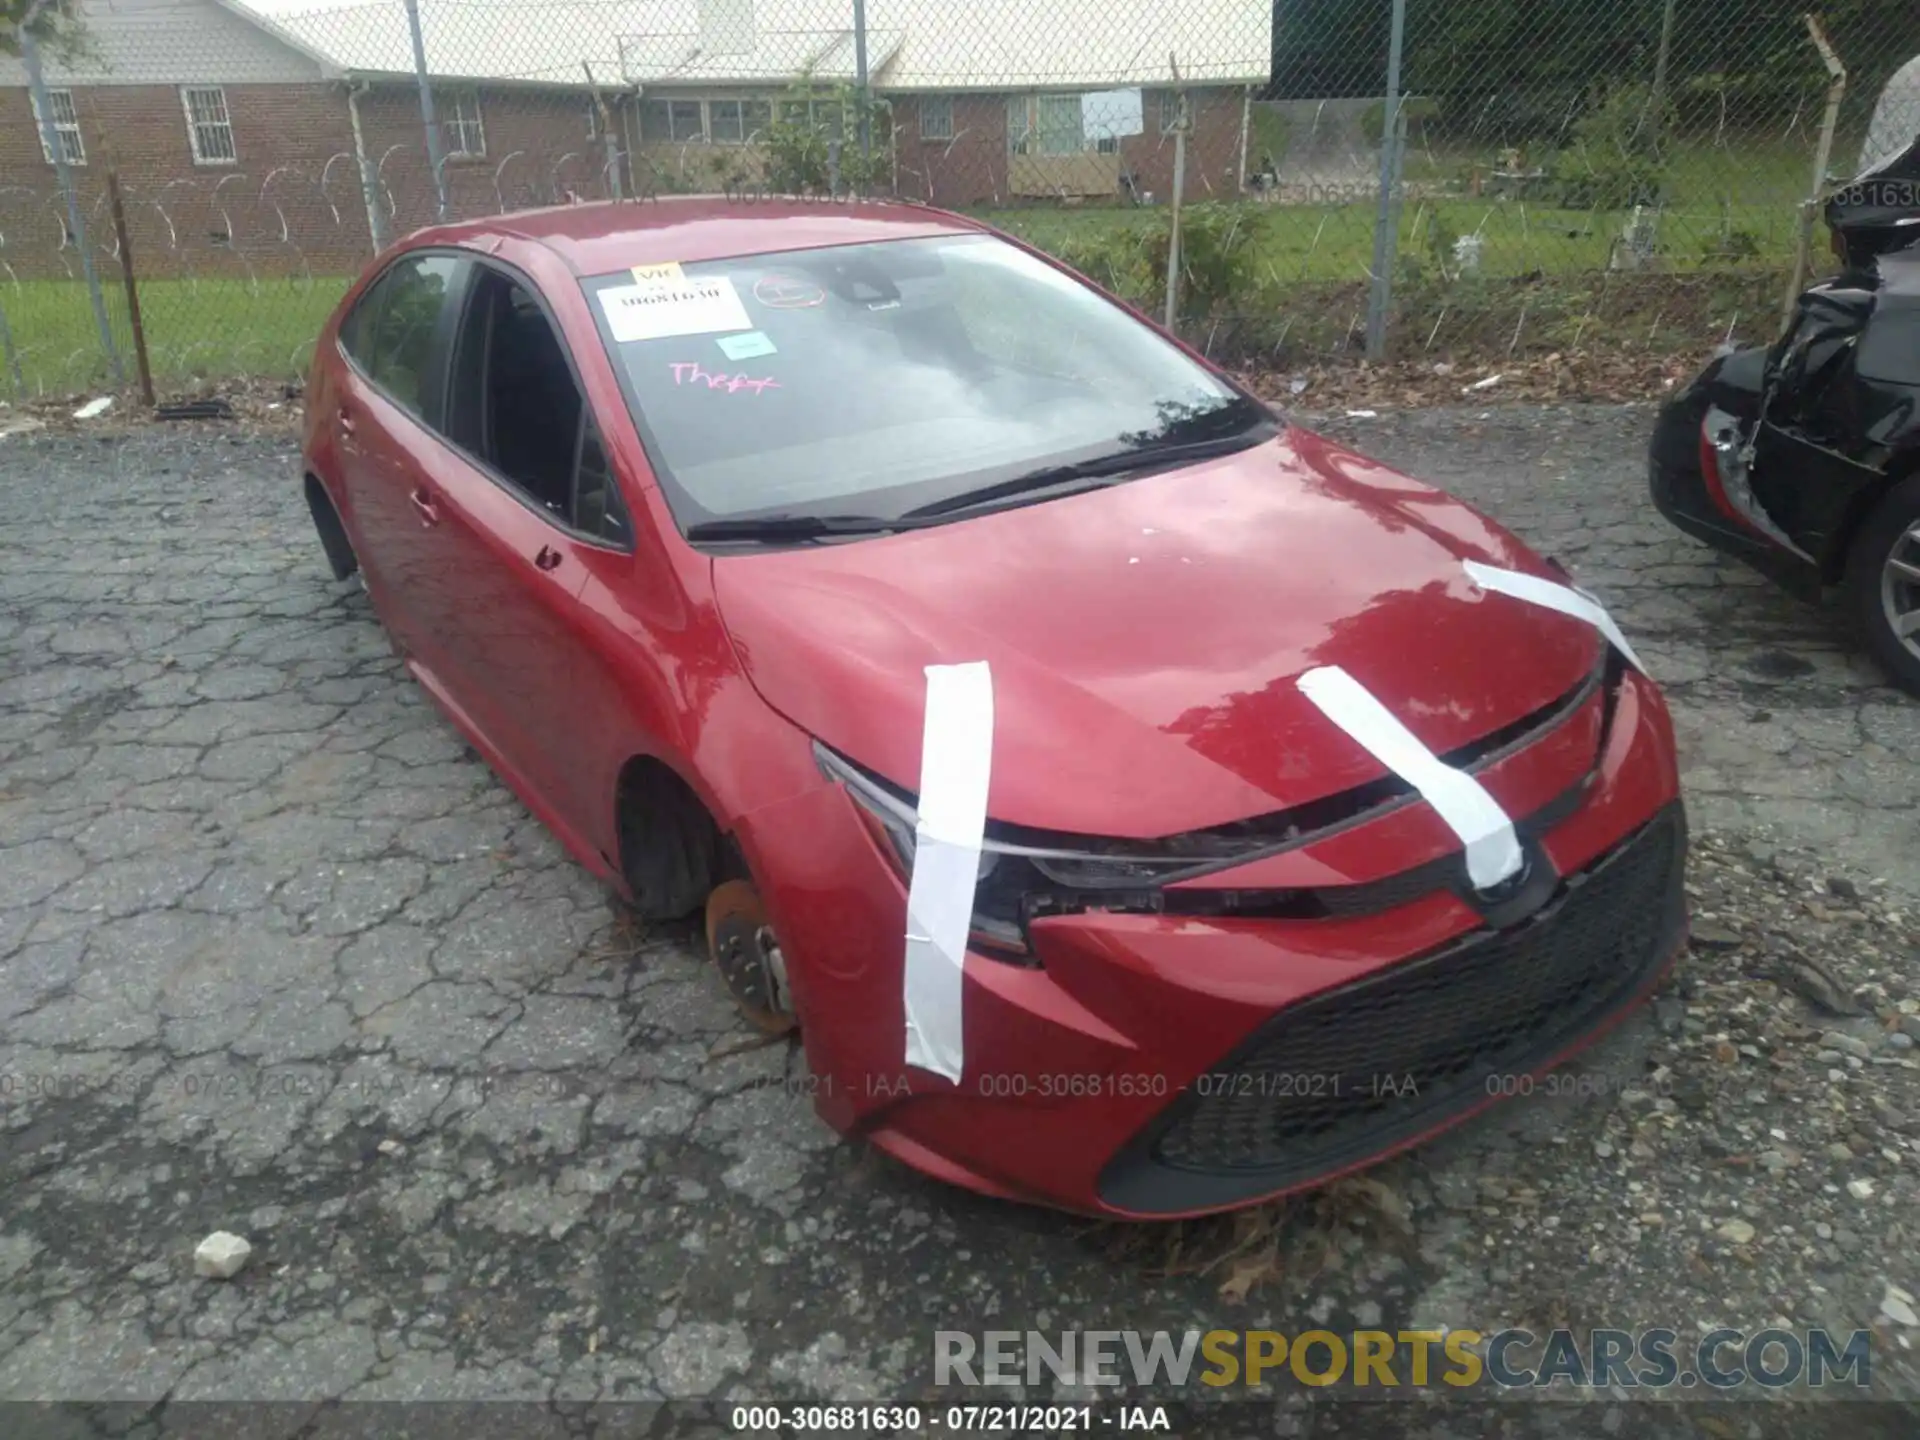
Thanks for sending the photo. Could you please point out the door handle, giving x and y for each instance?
(425, 505)
(548, 558)
(345, 420)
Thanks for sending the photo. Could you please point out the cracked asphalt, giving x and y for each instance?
(277, 957)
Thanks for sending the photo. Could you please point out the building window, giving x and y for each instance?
(936, 117)
(1045, 125)
(738, 122)
(672, 120)
(823, 117)
(458, 112)
(209, 127)
(66, 128)
(1168, 102)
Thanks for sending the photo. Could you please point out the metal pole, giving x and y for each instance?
(1385, 223)
(1179, 184)
(860, 81)
(609, 146)
(369, 183)
(1657, 106)
(13, 355)
(426, 111)
(1836, 89)
(50, 137)
(134, 322)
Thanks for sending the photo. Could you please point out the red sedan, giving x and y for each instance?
(1139, 804)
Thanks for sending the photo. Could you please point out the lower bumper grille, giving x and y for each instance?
(1352, 1071)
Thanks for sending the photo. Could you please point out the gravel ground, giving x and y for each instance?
(276, 958)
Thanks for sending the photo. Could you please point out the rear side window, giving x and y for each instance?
(391, 332)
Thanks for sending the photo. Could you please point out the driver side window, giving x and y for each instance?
(515, 406)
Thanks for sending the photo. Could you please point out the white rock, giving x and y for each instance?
(1860, 1189)
(1738, 1231)
(94, 407)
(1898, 1310)
(221, 1255)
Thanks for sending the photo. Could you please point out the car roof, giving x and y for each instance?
(610, 235)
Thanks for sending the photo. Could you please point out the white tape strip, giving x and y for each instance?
(1554, 596)
(1493, 850)
(956, 755)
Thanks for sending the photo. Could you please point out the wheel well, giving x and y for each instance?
(333, 534)
(672, 851)
(1900, 468)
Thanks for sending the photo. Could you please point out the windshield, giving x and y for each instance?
(875, 380)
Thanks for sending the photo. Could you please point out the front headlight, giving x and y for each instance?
(1018, 883)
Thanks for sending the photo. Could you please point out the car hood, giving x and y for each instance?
(1144, 639)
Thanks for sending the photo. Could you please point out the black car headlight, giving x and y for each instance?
(1018, 883)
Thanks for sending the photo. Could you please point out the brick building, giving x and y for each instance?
(252, 140)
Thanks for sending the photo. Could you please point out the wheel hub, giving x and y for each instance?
(1900, 590)
(748, 957)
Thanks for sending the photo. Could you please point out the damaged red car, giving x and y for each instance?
(1138, 804)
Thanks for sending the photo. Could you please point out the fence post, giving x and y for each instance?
(1386, 239)
(860, 84)
(426, 111)
(369, 183)
(1657, 103)
(144, 370)
(13, 355)
(1179, 184)
(1823, 153)
(76, 226)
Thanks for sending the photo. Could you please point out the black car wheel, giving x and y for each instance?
(1883, 576)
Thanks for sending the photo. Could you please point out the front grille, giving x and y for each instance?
(1354, 1070)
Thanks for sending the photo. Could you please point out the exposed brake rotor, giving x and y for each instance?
(748, 957)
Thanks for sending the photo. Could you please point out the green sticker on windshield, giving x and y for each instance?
(745, 347)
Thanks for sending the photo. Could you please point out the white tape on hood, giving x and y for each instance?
(956, 757)
(1554, 596)
(1493, 850)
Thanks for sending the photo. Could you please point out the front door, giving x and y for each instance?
(524, 496)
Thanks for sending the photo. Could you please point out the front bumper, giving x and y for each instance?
(1134, 1070)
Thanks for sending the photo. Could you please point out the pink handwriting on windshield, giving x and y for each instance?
(688, 372)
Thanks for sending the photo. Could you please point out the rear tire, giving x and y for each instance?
(333, 535)
(1883, 584)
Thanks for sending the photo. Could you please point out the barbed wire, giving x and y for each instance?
(1548, 177)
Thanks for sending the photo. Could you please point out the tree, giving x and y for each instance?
(56, 27)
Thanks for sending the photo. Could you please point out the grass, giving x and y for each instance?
(198, 331)
(1730, 212)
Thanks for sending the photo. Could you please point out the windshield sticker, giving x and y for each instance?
(745, 347)
(689, 372)
(667, 273)
(788, 292)
(673, 307)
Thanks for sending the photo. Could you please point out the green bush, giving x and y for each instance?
(1218, 255)
(1615, 161)
(1111, 258)
(1418, 110)
(1218, 259)
(806, 122)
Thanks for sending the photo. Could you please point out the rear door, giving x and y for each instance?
(389, 406)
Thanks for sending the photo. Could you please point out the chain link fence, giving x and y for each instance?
(1321, 179)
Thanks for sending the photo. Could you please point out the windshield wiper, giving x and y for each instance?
(1101, 467)
(794, 527)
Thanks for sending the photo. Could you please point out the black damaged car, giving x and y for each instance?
(1803, 457)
